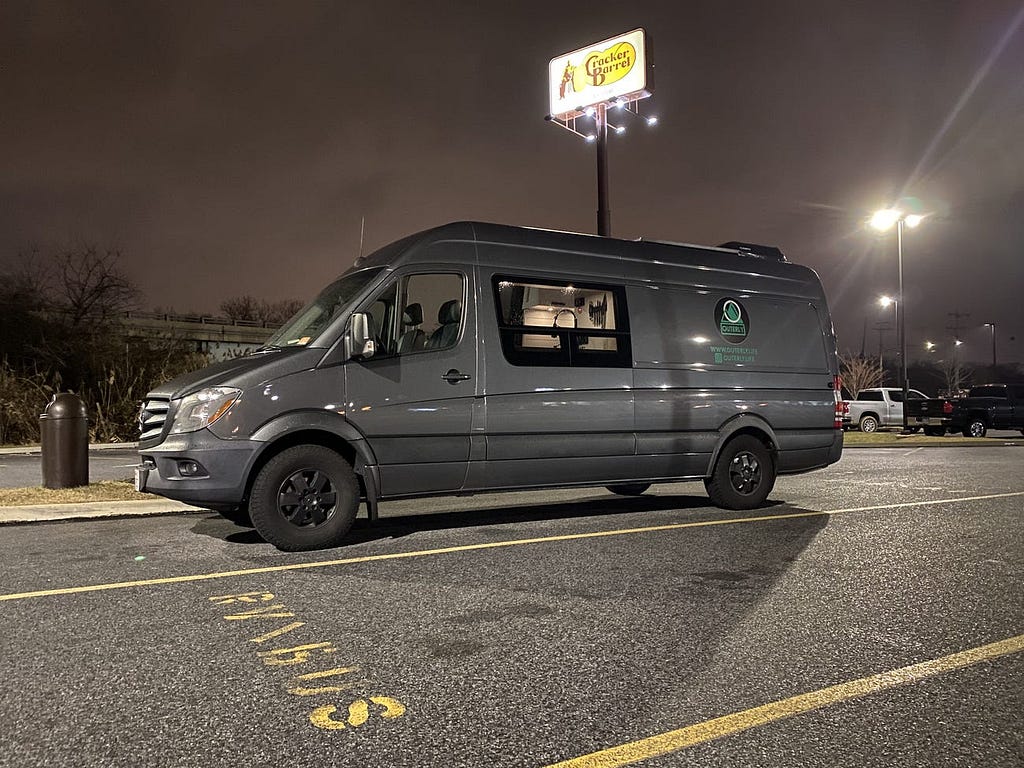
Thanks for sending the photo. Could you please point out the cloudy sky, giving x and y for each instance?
(234, 148)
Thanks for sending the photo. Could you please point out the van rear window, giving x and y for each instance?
(544, 322)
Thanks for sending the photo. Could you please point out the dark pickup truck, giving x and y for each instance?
(990, 406)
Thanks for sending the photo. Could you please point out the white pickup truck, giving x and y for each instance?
(878, 407)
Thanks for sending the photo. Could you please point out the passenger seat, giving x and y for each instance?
(448, 316)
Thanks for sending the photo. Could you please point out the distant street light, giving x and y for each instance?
(993, 327)
(883, 221)
(929, 346)
(885, 302)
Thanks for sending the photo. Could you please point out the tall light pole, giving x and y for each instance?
(882, 221)
(885, 301)
(992, 326)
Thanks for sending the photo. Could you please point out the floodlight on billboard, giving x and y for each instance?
(615, 71)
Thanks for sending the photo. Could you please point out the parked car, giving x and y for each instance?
(479, 357)
(933, 415)
(877, 407)
(989, 406)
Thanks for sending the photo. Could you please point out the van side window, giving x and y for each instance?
(543, 322)
(430, 317)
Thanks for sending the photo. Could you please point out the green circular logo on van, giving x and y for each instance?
(733, 321)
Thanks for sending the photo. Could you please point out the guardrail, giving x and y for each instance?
(201, 319)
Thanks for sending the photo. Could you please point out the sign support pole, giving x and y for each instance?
(604, 214)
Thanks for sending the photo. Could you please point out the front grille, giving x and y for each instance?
(152, 416)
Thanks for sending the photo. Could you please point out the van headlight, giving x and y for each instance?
(203, 408)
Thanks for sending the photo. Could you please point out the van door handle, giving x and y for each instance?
(454, 376)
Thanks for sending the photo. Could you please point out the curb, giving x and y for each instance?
(996, 442)
(34, 449)
(88, 510)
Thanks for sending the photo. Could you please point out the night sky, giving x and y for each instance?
(233, 148)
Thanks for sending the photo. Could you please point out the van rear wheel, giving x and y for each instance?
(743, 476)
(629, 489)
(304, 498)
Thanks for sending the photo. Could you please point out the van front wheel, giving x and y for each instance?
(304, 498)
(743, 476)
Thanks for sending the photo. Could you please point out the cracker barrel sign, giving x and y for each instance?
(617, 68)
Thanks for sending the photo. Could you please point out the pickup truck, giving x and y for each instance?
(989, 406)
(878, 407)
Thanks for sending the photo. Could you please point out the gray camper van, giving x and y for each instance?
(479, 357)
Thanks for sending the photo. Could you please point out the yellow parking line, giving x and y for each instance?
(673, 741)
(475, 547)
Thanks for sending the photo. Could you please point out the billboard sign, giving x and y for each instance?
(602, 73)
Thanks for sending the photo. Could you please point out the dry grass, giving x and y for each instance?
(106, 490)
(894, 439)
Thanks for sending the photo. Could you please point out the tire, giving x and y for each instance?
(304, 498)
(743, 476)
(975, 428)
(935, 431)
(629, 489)
(868, 423)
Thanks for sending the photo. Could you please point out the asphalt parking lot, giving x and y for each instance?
(871, 616)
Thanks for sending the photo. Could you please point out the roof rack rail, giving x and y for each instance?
(753, 249)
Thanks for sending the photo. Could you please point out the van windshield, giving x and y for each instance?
(310, 321)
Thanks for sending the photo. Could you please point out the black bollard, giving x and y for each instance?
(64, 438)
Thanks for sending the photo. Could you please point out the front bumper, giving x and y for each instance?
(197, 468)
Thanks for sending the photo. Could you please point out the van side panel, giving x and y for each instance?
(546, 425)
(690, 380)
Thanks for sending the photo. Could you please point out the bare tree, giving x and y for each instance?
(277, 312)
(958, 376)
(859, 372)
(241, 308)
(89, 285)
(252, 309)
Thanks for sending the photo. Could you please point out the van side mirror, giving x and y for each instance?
(360, 336)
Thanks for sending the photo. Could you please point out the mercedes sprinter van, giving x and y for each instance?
(479, 357)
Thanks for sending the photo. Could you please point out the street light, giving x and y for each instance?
(884, 302)
(883, 221)
(993, 327)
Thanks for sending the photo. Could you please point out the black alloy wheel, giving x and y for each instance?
(307, 498)
(304, 498)
(743, 476)
(975, 428)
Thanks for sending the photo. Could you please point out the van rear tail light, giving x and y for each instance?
(841, 407)
(947, 407)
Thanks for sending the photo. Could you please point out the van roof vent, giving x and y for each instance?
(769, 252)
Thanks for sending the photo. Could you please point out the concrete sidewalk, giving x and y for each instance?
(86, 510)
